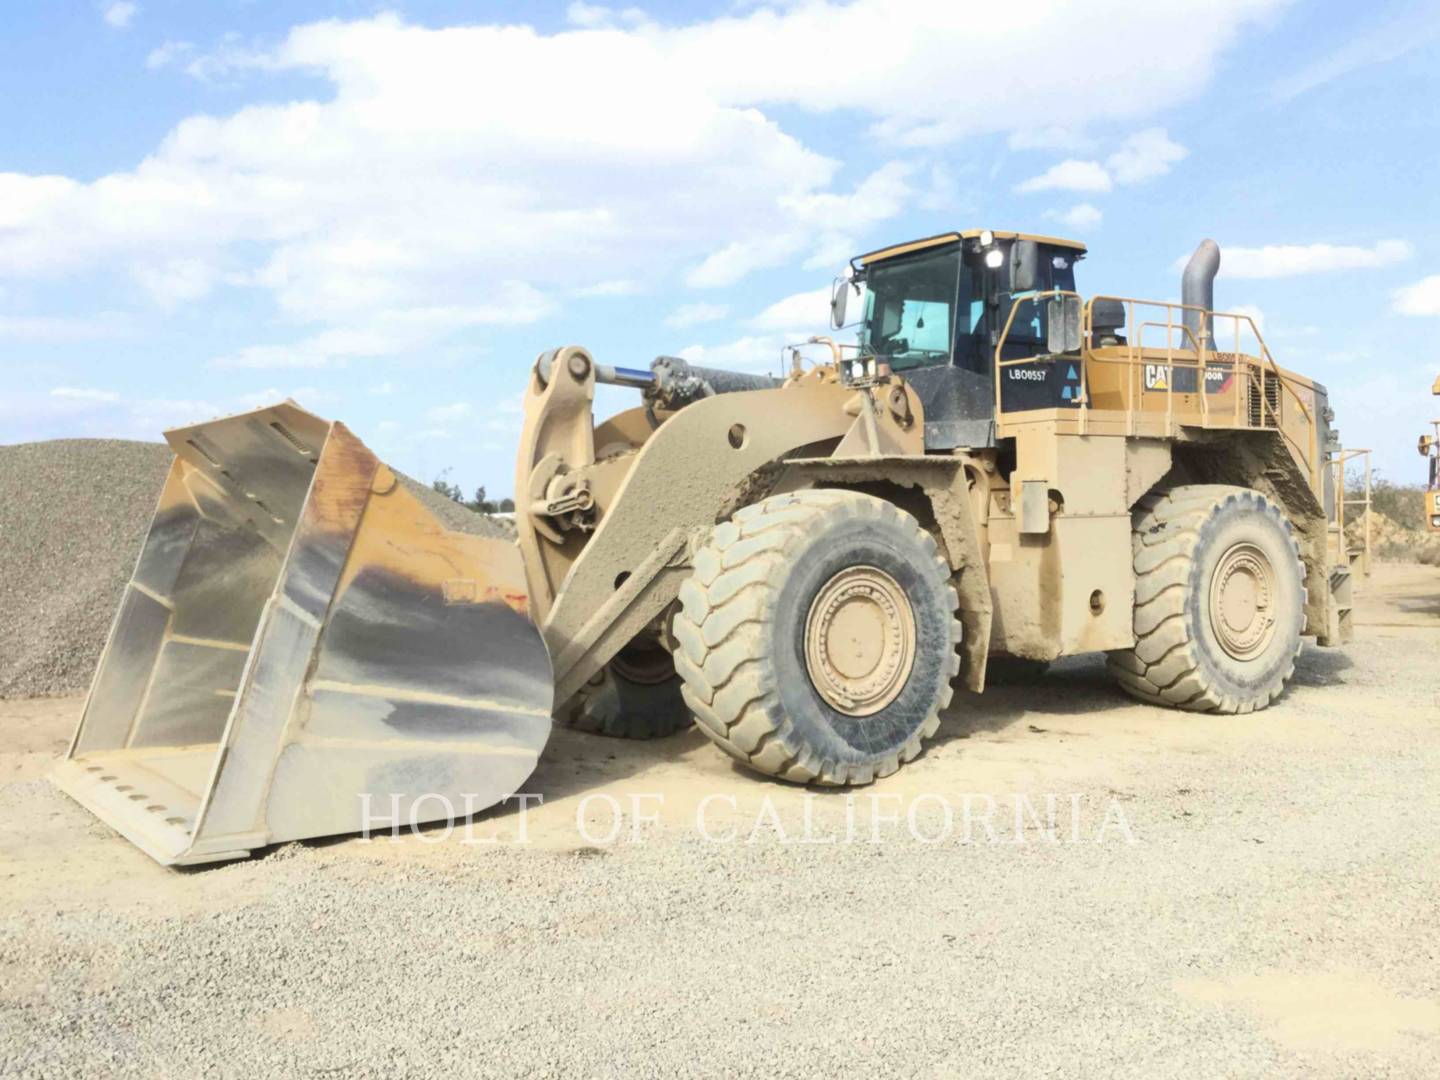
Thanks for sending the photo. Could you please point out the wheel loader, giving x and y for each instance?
(1430, 449)
(804, 564)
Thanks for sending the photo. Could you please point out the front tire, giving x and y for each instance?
(817, 637)
(1219, 601)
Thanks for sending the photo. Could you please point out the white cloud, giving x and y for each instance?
(1082, 217)
(231, 58)
(156, 414)
(758, 353)
(922, 41)
(1254, 314)
(805, 313)
(1144, 156)
(96, 412)
(1421, 298)
(1047, 138)
(1069, 175)
(1287, 260)
(942, 192)
(306, 396)
(389, 192)
(383, 389)
(443, 414)
(825, 223)
(118, 13)
(1382, 43)
(167, 53)
(609, 288)
(84, 393)
(695, 314)
(594, 16)
(176, 281)
(741, 257)
(47, 329)
(391, 331)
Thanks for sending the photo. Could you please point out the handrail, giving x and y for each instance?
(1005, 333)
(1342, 500)
(1252, 369)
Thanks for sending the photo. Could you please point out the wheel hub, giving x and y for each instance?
(860, 641)
(644, 661)
(1242, 601)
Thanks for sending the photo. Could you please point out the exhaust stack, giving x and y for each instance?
(1197, 289)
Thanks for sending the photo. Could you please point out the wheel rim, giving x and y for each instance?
(860, 641)
(1242, 601)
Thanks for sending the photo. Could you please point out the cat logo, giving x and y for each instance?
(1157, 377)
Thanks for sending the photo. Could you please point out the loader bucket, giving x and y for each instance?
(304, 651)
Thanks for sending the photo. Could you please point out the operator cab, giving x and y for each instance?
(935, 309)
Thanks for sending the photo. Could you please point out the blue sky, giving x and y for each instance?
(386, 212)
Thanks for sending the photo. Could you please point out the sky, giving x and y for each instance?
(386, 212)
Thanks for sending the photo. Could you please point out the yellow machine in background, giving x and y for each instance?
(1430, 448)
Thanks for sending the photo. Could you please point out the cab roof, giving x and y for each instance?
(966, 234)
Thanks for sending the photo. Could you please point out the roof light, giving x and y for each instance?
(987, 238)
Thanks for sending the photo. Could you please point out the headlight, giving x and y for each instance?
(993, 258)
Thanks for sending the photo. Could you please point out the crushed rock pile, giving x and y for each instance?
(73, 513)
(1392, 541)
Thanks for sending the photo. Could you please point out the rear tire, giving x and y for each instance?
(1219, 601)
(817, 637)
(635, 696)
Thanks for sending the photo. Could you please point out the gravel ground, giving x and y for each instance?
(73, 513)
(1277, 914)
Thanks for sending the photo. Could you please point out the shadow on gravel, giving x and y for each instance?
(1419, 605)
(574, 763)
(1321, 667)
(1071, 686)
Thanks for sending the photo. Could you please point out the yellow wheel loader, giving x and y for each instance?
(805, 564)
(1430, 449)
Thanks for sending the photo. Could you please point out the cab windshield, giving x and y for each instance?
(910, 308)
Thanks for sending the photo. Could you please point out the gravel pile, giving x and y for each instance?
(457, 517)
(73, 513)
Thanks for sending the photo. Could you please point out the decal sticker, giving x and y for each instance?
(1071, 390)
(1181, 380)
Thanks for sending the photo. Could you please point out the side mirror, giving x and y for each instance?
(1062, 325)
(839, 296)
(1024, 266)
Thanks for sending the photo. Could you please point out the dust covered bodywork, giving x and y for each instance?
(303, 649)
(303, 642)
